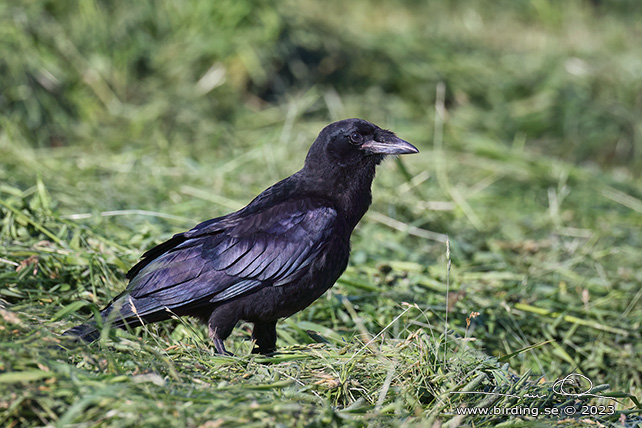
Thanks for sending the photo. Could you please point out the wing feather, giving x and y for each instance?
(226, 257)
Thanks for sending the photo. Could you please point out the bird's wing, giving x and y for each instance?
(226, 257)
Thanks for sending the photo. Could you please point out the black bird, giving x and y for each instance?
(268, 260)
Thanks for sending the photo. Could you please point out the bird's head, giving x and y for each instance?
(341, 163)
(351, 142)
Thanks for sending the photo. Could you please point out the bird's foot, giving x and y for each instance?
(264, 351)
(219, 346)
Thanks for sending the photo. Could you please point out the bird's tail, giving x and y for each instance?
(117, 316)
(86, 332)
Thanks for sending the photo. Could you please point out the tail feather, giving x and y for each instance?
(121, 314)
(86, 332)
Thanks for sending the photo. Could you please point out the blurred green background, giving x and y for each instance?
(122, 123)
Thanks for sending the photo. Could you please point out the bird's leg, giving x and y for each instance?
(220, 326)
(264, 336)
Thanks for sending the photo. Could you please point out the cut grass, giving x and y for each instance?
(379, 361)
(530, 157)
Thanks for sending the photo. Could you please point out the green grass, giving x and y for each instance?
(121, 124)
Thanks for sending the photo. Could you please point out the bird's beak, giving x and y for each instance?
(391, 146)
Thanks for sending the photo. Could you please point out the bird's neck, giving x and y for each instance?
(349, 191)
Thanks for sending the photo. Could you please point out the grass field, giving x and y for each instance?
(504, 257)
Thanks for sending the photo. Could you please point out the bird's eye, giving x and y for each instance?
(356, 138)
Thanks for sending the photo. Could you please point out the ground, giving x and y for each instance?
(501, 259)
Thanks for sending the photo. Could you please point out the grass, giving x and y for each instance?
(123, 124)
